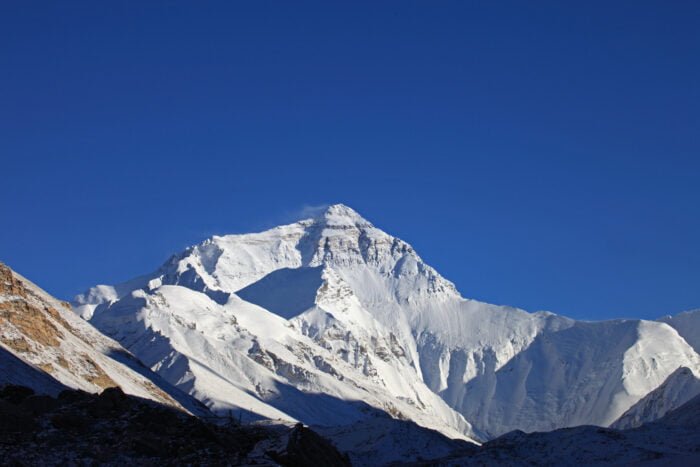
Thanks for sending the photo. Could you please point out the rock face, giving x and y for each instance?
(112, 428)
(38, 331)
(263, 323)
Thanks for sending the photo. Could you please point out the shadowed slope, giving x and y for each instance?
(285, 292)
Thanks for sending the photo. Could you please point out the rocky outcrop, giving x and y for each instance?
(306, 447)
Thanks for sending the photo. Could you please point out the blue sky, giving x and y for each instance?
(539, 154)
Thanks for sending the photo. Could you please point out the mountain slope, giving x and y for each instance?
(672, 440)
(678, 389)
(39, 331)
(239, 357)
(688, 326)
(367, 307)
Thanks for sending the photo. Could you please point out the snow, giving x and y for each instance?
(303, 321)
(688, 326)
(681, 386)
(242, 358)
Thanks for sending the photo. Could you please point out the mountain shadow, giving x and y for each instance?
(286, 292)
(15, 371)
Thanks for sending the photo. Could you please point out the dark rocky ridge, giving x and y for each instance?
(79, 428)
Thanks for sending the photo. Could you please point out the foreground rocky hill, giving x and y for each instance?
(112, 428)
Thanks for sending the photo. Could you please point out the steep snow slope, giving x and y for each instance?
(369, 301)
(688, 326)
(38, 331)
(678, 389)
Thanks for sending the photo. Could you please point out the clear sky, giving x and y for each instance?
(544, 155)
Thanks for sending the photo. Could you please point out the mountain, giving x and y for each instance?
(53, 365)
(329, 320)
(38, 332)
(674, 439)
(688, 326)
(678, 389)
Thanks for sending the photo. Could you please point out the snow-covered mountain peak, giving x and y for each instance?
(337, 238)
(362, 300)
(340, 215)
